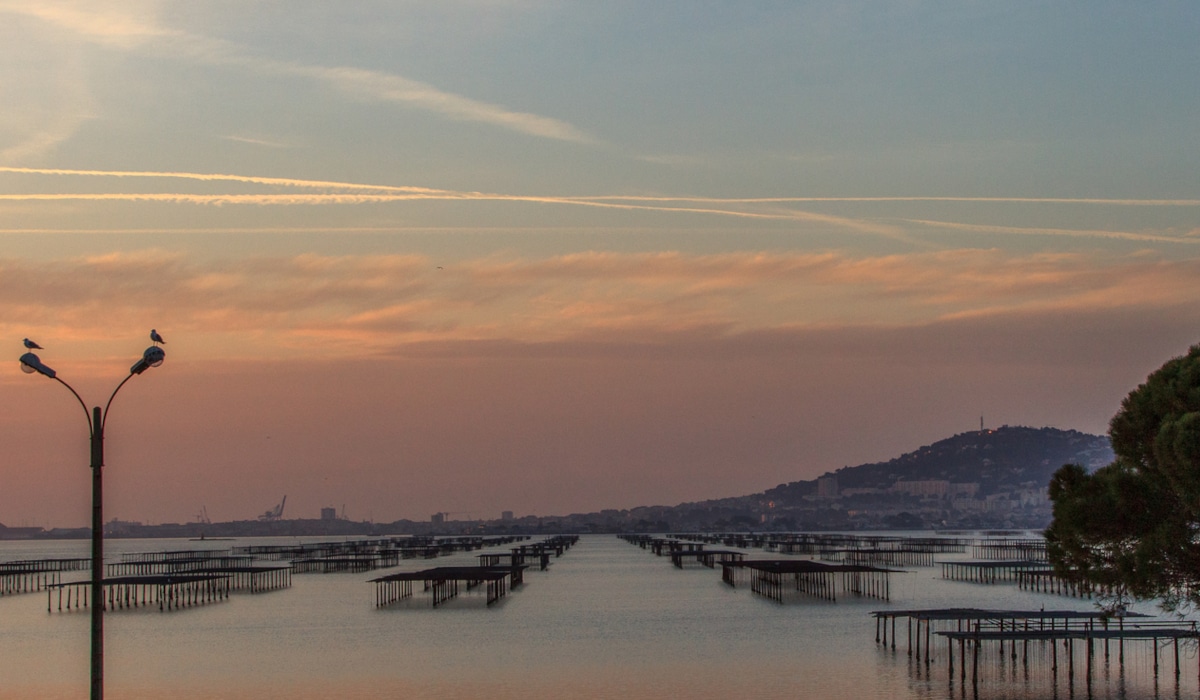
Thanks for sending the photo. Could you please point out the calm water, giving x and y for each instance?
(608, 620)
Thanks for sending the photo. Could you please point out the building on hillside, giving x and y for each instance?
(928, 488)
(827, 487)
(1034, 497)
(865, 491)
(965, 489)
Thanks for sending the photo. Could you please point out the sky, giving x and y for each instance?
(473, 256)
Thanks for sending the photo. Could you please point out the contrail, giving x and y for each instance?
(364, 193)
(368, 193)
(217, 177)
(1079, 233)
(997, 200)
(293, 182)
(402, 196)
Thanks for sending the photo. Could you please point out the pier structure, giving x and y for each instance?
(898, 556)
(540, 552)
(446, 582)
(245, 573)
(776, 578)
(356, 556)
(666, 546)
(990, 571)
(558, 545)
(833, 547)
(168, 592)
(822, 543)
(1023, 548)
(923, 624)
(819, 544)
(1046, 581)
(505, 559)
(1029, 574)
(996, 642)
(706, 557)
(255, 578)
(643, 541)
(353, 562)
(515, 558)
(147, 563)
(33, 575)
(498, 572)
(1149, 637)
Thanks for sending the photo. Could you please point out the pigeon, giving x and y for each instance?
(32, 345)
(158, 339)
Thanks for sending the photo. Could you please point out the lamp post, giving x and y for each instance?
(31, 364)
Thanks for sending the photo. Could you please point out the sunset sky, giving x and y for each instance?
(555, 257)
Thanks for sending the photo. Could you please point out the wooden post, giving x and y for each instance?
(950, 656)
(928, 648)
(975, 666)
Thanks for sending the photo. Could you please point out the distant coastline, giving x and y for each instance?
(985, 480)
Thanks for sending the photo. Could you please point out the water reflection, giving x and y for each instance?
(607, 620)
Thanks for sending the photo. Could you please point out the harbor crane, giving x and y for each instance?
(275, 513)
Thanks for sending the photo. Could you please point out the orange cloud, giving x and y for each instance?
(321, 306)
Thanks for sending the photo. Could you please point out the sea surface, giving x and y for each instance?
(607, 620)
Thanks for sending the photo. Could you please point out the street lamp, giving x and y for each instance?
(32, 364)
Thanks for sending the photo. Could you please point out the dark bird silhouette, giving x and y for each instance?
(32, 345)
(158, 339)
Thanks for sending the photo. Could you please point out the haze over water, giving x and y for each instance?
(607, 620)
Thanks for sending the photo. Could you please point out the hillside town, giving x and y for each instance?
(986, 479)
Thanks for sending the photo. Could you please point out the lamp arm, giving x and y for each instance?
(86, 414)
(104, 416)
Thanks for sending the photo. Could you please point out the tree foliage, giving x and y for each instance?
(1132, 526)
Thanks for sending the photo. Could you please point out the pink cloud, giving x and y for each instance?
(321, 306)
(611, 420)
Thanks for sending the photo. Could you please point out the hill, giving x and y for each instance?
(1001, 460)
(980, 479)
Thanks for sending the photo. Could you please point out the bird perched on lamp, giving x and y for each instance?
(158, 339)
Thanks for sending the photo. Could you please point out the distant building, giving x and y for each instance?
(998, 502)
(19, 533)
(121, 527)
(506, 515)
(867, 490)
(1034, 497)
(437, 518)
(936, 488)
(965, 489)
(329, 514)
(827, 487)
